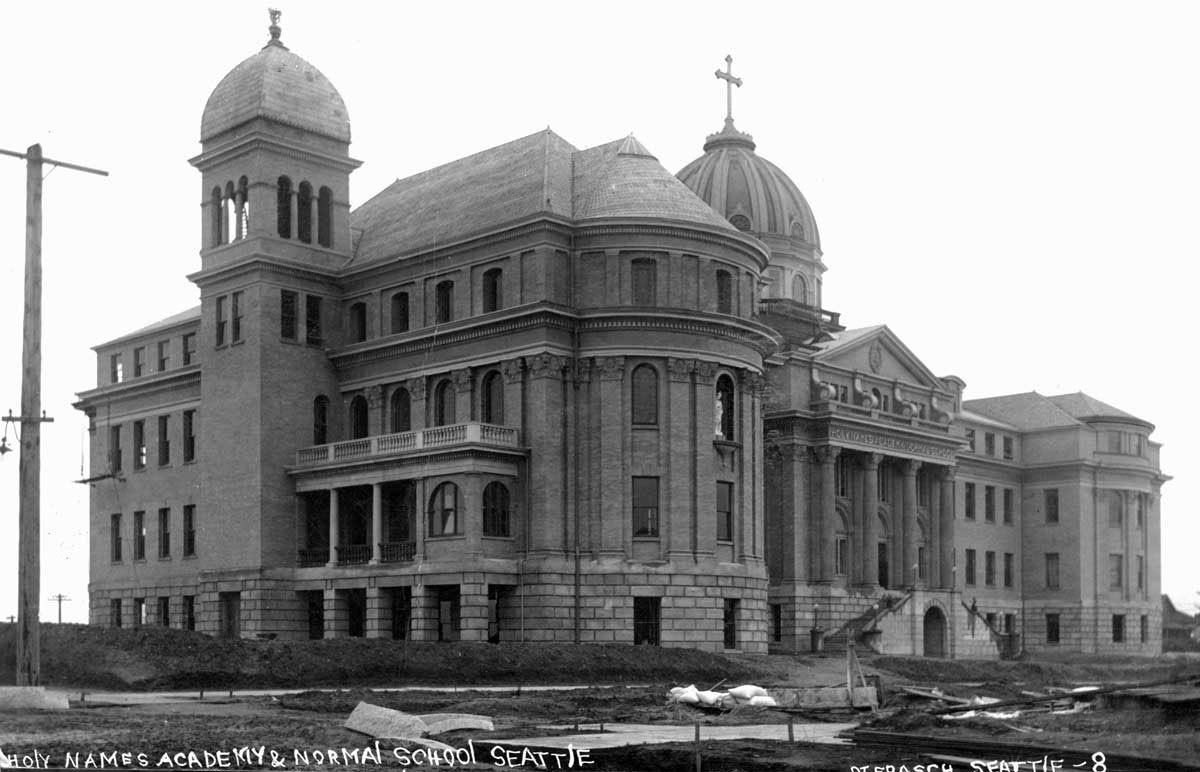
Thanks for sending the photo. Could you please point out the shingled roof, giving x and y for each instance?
(1026, 411)
(1088, 408)
(540, 174)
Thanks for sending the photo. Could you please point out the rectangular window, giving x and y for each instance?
(189, 435)
(1008, 448)
(1141, 573)
(1141, 511)
(139, 444)
(841, 475)
(1051, 570)
(1008, 506)
(724, 511)
(646, 616)
(841, 556)
(164, 354)
(1052, 631)
(139, 535)
(1010, 623)
(1118, 628)
(1116, 571)
(189, 530)
(289, 303)
(1143, 628)
(139, 612)
(989, 443)
(114, 612)
(922, 490)
(1116, 509)
(989, 503)
(114, 529)
(1114, 442)
(645, 282)
(1050, 499)
(189, 348)
(189, 612)
(776, 622)
(970, 572)
(645, 506)
(164, 532)
(114, 449)
(921, 562)
(164, 611)
(882, 478)
(236, 307)
(990, 619)
(971, 440)
(116, 371)
(220, 329)
(164, 440)
(1141, 445)
(729, 623)
(989, 568)
(969, 501)
(139, 361)
(1008, 569)
(312, 319)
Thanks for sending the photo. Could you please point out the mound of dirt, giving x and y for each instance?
(160, 658)
(1044, 671)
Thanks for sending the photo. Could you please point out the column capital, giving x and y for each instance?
(584, 370)
(681, 370)
(706, 372)
(910, 467)
(416, 387)
(754, 383)
(513, 370)
(462, 380)
(545, 366)
(374, 396)
(611, 368)
(827, 454)
(871, 461)
(948, 473)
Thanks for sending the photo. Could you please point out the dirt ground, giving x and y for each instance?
(311, 721)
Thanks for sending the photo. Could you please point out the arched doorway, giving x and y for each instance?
(935, 632)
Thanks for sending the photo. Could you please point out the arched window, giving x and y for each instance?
(740, 221)
(443, 403)
(401, 410)
(325, 217)
(358, 322)
(797, 231)
(358, 418)
(443, 511)
(724, 418)
(645, 396)
(283, 207)
(444, 302)
(492, 399)
(724, 292)
(800, 289)
(217, 213)
(243, 208)
(495, 510)
(229, 215)
(399, 312)
(320, 420)
(645, 282)
(492, 297)
(304, 213)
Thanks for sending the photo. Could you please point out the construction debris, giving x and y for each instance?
(385, 723)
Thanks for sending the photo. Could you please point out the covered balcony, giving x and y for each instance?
(371, 524)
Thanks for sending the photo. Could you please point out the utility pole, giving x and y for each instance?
(30, 420)
(60, 598)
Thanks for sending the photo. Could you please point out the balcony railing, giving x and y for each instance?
(405, 442)
(353, 554)
(397, 551)
(313, 556)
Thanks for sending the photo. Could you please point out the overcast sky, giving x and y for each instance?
(1011, 187)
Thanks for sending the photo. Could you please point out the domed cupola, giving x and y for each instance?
(279, 86)
(757, 197)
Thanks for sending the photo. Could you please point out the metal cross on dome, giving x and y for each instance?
(730, 82)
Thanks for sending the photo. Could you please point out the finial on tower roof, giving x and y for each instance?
(730, 82)
(274, 29)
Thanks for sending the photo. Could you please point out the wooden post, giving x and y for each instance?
(697, 723)
(29, 591)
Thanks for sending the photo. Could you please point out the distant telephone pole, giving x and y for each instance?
(60, 598)
(30, 421)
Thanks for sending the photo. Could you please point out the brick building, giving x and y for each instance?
(543, 393)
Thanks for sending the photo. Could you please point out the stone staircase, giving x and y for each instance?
(868, 620)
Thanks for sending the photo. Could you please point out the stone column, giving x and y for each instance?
(294, 213)
(375, 416)
(681, 479)
(416, 403)
(473, 608)
(868, 554)
(547, 452)
(614, 487)
(379, 613)
(946, 528)
(471, 514)
(334, 534)
(911, 528)
(796, 514)
(420, 505)
(336, 618)
(1127, 524)
(313, 221)
(376, 521)
(827, 539)
(423, 613)
(514, 374)
(463, 392)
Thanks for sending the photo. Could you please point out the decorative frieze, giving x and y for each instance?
(611, 368)
(888, 442)
(546, 366)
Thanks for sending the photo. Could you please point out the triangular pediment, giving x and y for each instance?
(876, 352)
